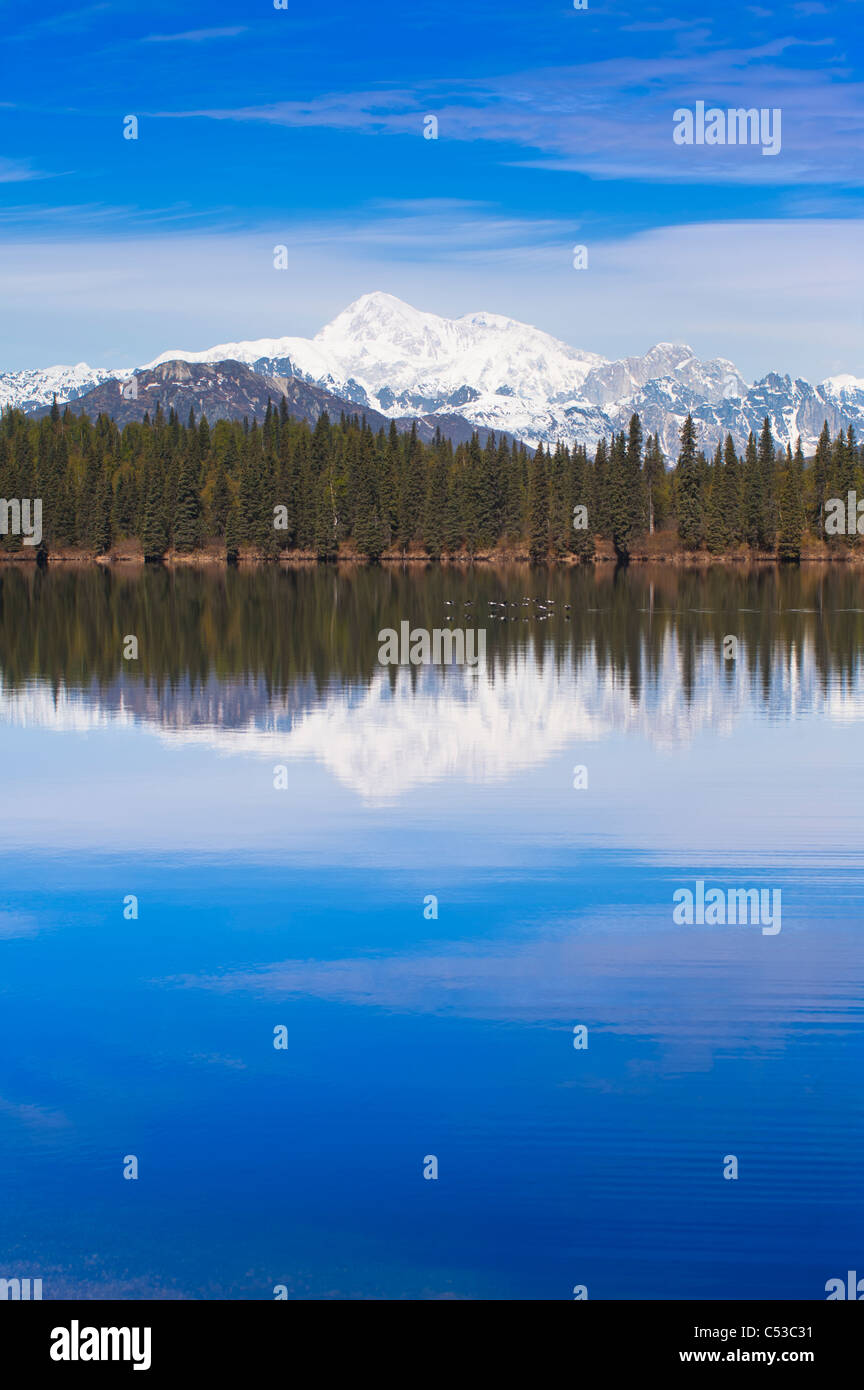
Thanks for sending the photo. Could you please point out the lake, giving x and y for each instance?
(420, 880)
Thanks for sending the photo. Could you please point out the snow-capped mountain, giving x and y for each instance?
(487, 372)
(502, 375)
(843, 385)
(712, 381)
(34, 387)
(381, 352)
(795, 409)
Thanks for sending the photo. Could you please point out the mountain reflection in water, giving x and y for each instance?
(411, 1033)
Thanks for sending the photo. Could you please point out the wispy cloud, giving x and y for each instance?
(388, 111)
(613, 119)
(771, 295)
(72, 22)
(19, 171)
(72, 220)
(197, 35)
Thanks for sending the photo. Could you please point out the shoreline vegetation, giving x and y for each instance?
(213, 555)
(160, 491)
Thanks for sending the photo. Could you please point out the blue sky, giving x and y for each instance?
(260, 126)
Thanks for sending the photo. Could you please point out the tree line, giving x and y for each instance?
(281, 486)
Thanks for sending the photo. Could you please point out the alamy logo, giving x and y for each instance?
(16, 519)
(853, 1287)
(740, 126)
(76, 1343)
(20, 1289)
(419, 647)
(844, 519)
(737, 907)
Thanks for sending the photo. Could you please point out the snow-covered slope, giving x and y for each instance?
(403, 359)
(502, 375)
(388, 345)
(36, 386)
(496, 373)
(715, 380)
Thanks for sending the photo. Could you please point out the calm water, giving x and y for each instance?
(410, 1035)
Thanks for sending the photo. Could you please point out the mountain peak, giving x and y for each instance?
(382, 298)
(392, 361)
(670, 349)
(375, 307)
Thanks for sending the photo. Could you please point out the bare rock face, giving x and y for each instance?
(174, 372)
(233, 391)
(223, 390)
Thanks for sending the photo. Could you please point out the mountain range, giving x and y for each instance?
(384, 359)
(229, 390)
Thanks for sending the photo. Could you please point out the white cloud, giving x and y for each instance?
(196, 35)
(612, 119)
(769, 295)
(18, 171)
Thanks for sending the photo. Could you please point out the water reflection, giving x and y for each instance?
(412, 1034)
(283, 664)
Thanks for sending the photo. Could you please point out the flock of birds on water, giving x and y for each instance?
(544, 608)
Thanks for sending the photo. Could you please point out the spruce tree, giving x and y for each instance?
(435, 501)
(232, 534)
(752, 494)
(288, 479)
(453, 530)
(538, 508)
(187, 517)
(654, 470)
(473, 518)
(821, 472)
(154, 533)
(10, 540)
(220, 501)
(62, 509)
(689, 489)
(371, 534)
(305, 510)
(842, 479)
(101, 532)
(561, 502)
(582, 495)
(621, 507)
(410, 491)
(732, 492)
(125, 499)
(253, 519)
(791, 521)
(634, 480)
(767, 488)
(514, 503)
(490, 502)
(602, 508)
(325, 520)
(716, 526)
